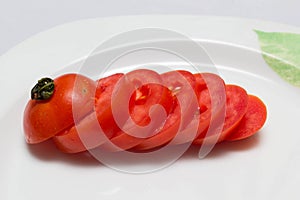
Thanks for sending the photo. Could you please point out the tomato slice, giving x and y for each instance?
(45, 118)
(103, 103)
(69, 141)
(123, 141)
(210, 89)
(86, 134)
(236, 107)
(148, 91)
(252, 121)
(182, 84)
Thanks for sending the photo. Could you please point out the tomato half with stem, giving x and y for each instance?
(252, 121)
(50, 111)
(94, 129)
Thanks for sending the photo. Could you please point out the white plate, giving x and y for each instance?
(262, 167)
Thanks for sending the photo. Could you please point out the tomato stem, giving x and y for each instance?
(43, 90)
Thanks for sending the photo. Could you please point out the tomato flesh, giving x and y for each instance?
(252, 121)
(148, 92)
(236, 107)
(71, 140)
(210, 90)
(103, 103)
(123, 141)
(182, 84)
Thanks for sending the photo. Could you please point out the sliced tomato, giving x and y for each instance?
(142, 111)
(86, 133)
(182, 84)
(201, 81)
(212, 102)
(148, 91)
(103, 103)
(69, 141)
(252, 121)
(236, 107)
(134, 95)
(123, 140)
(167, 133)
(210, 89)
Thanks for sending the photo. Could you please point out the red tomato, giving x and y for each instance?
(119, 112)
(134, 95)
(167, 133)
(123, 140)
(86, 134)
(182, 84)
(210, 89)
(252, 121)
(45, 118)
(148, 92)
(103, 103)
(87, 130)
(236, 106)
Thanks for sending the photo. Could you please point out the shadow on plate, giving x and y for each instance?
(224, 148)
(47, 152)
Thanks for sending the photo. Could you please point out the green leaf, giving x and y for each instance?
(281, 52)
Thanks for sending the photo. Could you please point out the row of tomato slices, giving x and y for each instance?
(120, 112)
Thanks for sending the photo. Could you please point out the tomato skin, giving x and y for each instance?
(252, 121)
(45, 118)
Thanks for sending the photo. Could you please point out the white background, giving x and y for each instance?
(20, 19)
